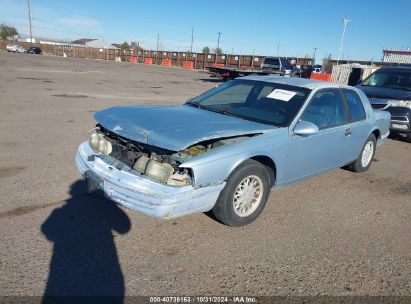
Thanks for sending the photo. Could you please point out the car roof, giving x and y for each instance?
(298, 82)
(396, 68)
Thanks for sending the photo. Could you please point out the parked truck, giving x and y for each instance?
(270, 66)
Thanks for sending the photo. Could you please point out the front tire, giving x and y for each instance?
(363, 162)
(244, 195)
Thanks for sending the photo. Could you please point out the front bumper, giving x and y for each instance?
(400, 124)
(132, 190)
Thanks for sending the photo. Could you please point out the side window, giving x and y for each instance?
(355, 105)
(326, 110)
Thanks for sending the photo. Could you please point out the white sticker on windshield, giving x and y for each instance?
(281, 94)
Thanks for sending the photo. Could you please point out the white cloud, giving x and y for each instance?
(79, 21)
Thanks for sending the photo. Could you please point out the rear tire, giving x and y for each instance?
(363, 162)
(244, 195)
(408, 139)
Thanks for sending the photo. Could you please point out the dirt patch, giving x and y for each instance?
(25, 210)
(403, 189)
(171, 251)
(32, 78)
(9, 144)
(71, 95)
(10, 171)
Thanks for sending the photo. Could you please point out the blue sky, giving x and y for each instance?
(297, 26)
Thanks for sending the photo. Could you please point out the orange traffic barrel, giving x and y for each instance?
(318, 76)
(188, 64)
(166, 62)
(148, 60)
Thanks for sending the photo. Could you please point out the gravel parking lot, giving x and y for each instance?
(337, 234)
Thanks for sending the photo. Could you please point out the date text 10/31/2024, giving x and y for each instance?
(202, 299)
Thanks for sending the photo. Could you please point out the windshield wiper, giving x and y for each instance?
(194, 104)
(200, 106)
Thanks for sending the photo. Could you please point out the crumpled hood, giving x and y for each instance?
(174, 127)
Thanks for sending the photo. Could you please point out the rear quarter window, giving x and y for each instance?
(355, 105)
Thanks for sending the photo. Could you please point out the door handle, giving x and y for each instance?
(348, 132)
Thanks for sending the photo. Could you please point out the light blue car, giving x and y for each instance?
(227, 148)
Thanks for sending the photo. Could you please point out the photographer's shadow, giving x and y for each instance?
(85, 260)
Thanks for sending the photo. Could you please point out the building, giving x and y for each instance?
(393, 56)
(82, 41)
(351, 73)
(95, 43)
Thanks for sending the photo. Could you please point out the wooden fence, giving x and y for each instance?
(165, 58)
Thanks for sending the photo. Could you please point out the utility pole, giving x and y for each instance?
(29, 9)
(315, 50)
(278, 48)
(158, 42)
(345, 22)
(192, 39)
(218, 40)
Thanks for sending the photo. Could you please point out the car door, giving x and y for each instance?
(358, 126)
(327, 149)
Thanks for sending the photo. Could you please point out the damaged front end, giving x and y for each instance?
(146, 178)
(157, 163)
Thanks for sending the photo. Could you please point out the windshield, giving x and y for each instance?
(271, 61)
(259, 101)
(389, 79)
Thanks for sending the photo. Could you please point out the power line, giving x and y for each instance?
(218, 40)
(345, 22)
(315, 50)
(28, 7)
(192, 38)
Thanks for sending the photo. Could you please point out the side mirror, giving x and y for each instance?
(305, 128)
(359, 81)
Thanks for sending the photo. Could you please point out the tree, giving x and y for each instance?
(327, 64)
(206, 50)
(7, 30)
(125, 46)
(218, 51)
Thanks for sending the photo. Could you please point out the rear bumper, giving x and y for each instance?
(382, 139)
(132, 190)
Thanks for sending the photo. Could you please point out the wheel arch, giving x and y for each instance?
(269, 163)
(377, 133)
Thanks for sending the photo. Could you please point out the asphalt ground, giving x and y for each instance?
(337, 234)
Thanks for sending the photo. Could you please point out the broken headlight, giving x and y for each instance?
(162, 172)
(154, 169)
(99, 143)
